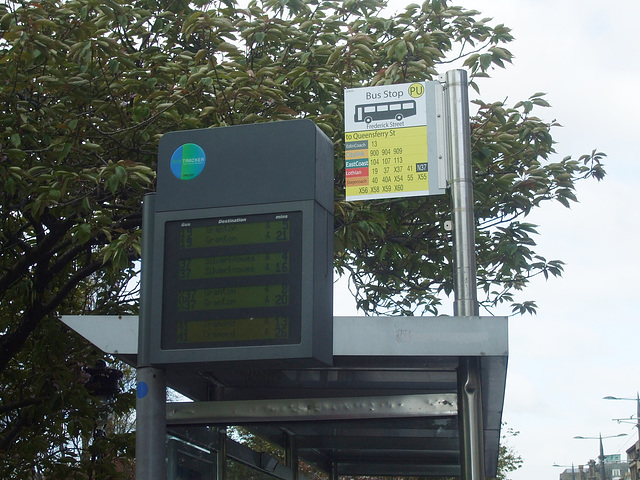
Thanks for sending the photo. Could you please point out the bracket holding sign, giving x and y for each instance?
(393, 141)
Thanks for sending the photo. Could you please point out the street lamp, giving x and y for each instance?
(637, 400)
(600, 437)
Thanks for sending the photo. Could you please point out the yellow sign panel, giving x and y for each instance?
(391, 141)
(386, 163)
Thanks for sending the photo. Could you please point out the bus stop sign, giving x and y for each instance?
(392, 135)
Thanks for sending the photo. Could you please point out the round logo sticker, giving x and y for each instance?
(188, 161)
(416, 90)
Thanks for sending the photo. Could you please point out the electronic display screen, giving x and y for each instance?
(232, 281)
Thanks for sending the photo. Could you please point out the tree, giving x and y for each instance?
(508, 459)
(87, 88)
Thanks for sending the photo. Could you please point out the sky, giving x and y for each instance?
(583, 344)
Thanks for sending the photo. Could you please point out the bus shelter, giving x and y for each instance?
(389, 405)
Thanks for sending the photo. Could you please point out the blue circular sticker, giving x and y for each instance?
(188, 161)
(142, 390)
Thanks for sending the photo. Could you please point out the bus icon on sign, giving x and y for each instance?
(385, 111)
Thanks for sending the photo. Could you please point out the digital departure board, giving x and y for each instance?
(232, 281)
(238, 249)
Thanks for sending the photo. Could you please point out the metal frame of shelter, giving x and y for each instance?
(414, 396)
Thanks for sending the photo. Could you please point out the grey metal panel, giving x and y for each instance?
(410, 336)
(346, 408)
(494, 380)
(353, 336)
(443, 428)
(341, 380)
(113, 334)
(386, 442)
(248, 165)
(386, 469)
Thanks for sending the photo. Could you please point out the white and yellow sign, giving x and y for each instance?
(388, 135)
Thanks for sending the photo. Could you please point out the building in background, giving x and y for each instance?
(633, 460)
(615, 469)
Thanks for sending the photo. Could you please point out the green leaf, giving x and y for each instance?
(94, 147)
(400, 50)
(485, 61)
(82, 233)
(200, 55)
(10, 186)
(121, 174)
(113, 184)
(65, 150)
(16, 140)
(86, 204)
(114, 65)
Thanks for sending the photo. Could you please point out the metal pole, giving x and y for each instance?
(637, 452)
(333, 475)
(172, 460)
(638, 417)
(602, 471)
(464, 240)
(466, 302)
(291, 454)
(221, 464)
(151, 424)
(151, 427)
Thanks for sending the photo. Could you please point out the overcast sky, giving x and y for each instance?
(584, 342)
